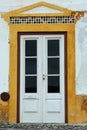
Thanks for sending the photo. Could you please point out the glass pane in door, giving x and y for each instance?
(53, 84)
(30, 66)
(53, 65)
(53, 47)
(31, 84)
(30, 47)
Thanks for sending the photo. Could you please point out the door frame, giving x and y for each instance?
(65, 69)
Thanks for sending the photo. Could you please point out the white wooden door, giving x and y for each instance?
(42, 79)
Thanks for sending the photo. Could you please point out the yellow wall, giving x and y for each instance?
(4, 111)
(76, 105)
(75, 111)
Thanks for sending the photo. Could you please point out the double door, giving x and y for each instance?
(42, 94)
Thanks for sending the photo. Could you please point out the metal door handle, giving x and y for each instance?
(44, 76)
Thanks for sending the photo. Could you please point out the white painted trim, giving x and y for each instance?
(42, 97)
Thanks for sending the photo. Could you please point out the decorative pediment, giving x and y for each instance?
(43, 7)
(36, 9)
(41, 12)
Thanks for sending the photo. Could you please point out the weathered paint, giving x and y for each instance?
(4, 49)
(4, 56)
(13, 62)
(81, 56)
(4, 112)
(76, 104)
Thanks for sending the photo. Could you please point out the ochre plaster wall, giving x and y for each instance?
(75, 110)
(76, 105)
(80, 109)
(4, 112)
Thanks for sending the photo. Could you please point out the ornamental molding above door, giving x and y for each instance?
(42, 13)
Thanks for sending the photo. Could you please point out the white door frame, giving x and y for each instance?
(26, 96)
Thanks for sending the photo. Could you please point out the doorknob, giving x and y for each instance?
(44, 76)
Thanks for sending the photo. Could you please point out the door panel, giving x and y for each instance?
(29, 73)
(54, 82)
(42, 79)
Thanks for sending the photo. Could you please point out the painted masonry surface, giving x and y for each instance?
(76, 29)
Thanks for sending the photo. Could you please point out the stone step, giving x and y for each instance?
(42, 126)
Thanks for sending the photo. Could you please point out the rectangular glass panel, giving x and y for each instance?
(53, 84)
(53, 47)
(53, 65)
(30, 84)
(31, 48)
(30, 65)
